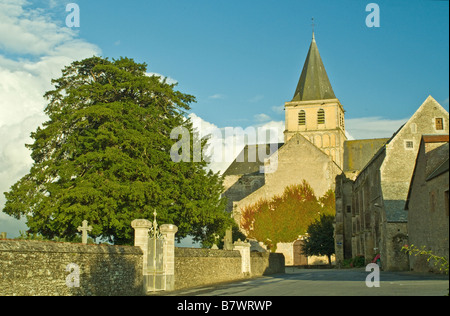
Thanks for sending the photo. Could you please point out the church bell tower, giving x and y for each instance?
(314, 111)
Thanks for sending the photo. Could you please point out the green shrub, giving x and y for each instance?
(356, 262)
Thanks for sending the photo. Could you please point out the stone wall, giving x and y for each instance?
(266, 263)
(195, 267)
(198, 267)
(39, 268)
(42, 268)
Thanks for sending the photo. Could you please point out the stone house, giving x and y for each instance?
(427, 202)
(375, 222)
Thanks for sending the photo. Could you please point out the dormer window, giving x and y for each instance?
(321, 116)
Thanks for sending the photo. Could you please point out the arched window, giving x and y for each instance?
(301, 118)
(321, 116)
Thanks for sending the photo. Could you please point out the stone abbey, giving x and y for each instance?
(370, 177)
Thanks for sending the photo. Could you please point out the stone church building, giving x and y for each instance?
(316, 149)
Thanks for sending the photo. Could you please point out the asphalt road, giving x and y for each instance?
(329, 282)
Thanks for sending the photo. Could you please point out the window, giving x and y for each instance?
(321, 117)
(439, 123)
(301, 118)
(409, 144)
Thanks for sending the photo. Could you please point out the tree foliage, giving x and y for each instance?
(104, 156)
(286, 217)
(440, 262)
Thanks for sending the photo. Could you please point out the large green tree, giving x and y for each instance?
(104, 156)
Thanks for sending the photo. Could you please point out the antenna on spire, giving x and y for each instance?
(312, 26)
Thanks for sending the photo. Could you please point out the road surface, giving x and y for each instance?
(328, 282)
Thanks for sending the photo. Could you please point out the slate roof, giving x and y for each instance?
(249, 161)
(440, 170)
(313, 83)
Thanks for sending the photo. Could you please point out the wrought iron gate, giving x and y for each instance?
(156, 278)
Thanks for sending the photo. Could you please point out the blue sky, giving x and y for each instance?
(240, 59)
(243, 58)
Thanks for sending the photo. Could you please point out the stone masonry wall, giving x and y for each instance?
(266, 263)
(197, 267)
(39, 268)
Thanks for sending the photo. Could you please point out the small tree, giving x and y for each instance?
(287, 216)
(320, 240)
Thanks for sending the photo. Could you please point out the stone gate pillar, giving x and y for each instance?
(141, 229)
(244, 248)
(168, 231)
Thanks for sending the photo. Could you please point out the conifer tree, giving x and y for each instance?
(104, 156)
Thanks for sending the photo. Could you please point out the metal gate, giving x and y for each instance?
(156, 278)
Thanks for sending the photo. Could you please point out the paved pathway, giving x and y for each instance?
(332, 282)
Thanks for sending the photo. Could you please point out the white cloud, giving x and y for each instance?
(33, 50)
(279, 109)
(216, 96)
(169, 80)
(256, 98)
(262, 117)
(218, 144)
(372, 127)
(27, 31)
(225, 143)
(232, 143)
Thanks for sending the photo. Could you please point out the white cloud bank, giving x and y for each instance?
(33, 50)
(231, 144)
(225, 143)
(372, 127)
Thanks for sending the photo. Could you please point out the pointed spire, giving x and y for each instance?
(314, 83)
